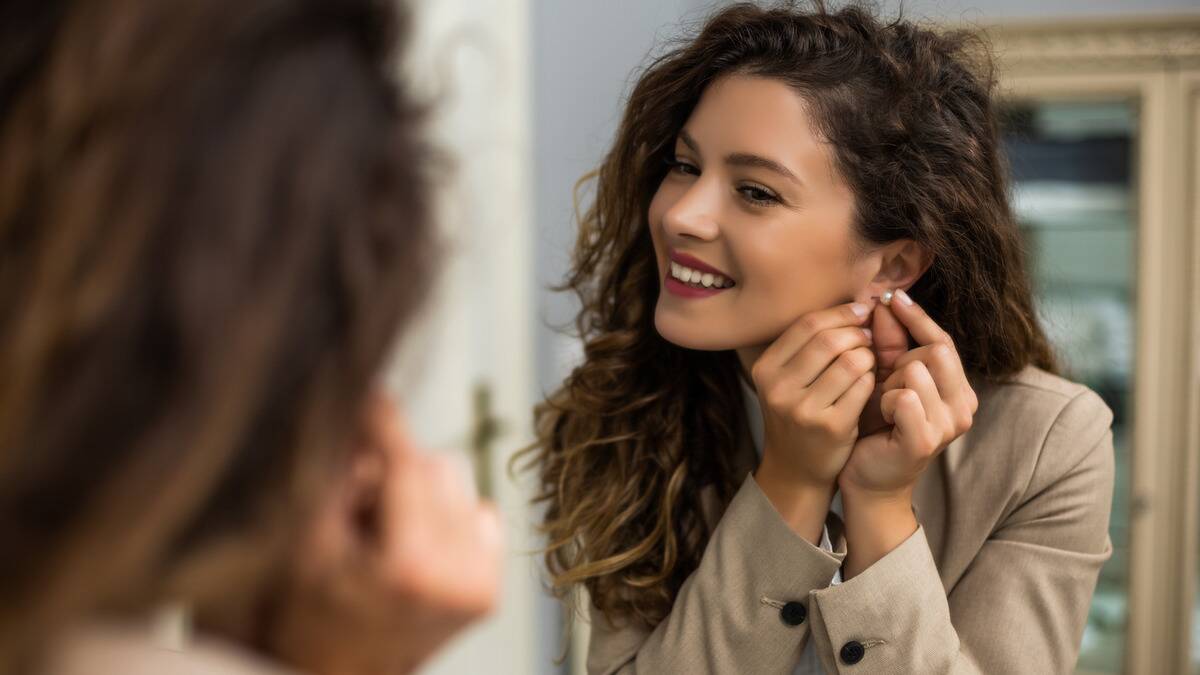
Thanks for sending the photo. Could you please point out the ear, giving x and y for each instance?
(346, 517)
(321, 605)
(901, 264)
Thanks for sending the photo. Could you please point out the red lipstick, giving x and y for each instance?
(686, 290)
(695, 263)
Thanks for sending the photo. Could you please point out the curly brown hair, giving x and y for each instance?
(635, 432)
(214, 221)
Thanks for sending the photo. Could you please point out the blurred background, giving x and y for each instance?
(1102, 127)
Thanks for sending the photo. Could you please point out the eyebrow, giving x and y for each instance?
(744, 159)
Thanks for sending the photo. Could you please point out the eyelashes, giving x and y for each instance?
(680, 166)
(758, 196)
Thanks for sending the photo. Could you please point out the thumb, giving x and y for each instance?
(890, 341)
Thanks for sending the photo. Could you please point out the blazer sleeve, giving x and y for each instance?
(743, 610)
(1021, 606)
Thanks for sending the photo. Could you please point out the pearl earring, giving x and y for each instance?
(887, 297)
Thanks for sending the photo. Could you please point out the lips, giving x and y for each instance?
(690, 277)
(695, 263)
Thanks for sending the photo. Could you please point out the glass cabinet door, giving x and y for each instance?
(1072, 165)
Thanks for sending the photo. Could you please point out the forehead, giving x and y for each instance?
(760, 116)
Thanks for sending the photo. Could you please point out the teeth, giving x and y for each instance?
(705, 279)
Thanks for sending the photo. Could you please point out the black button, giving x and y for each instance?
(793, 613)
(852, 652)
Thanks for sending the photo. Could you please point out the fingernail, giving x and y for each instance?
(903, 296)
(859, 309)
(869, 333)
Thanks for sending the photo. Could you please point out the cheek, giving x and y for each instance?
(799, 271)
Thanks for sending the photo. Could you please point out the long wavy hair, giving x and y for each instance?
(626, 445)
(214, 222)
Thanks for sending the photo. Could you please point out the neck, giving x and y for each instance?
(746, 358)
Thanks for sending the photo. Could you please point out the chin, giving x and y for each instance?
(682, 332)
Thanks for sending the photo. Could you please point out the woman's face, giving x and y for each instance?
(753, 199)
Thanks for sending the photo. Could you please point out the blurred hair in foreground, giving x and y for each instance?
(213, 225)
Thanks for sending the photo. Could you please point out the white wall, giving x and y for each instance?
(583, 55)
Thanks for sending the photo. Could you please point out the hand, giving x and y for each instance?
(925, 399)
(812, 382)
(890, 343)
(400, 561)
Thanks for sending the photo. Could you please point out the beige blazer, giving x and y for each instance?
(997, 578)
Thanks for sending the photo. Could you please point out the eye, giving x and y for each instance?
(758, 195)
(682, 166)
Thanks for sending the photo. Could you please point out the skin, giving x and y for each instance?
(754, 192)
(400, 557)
(788, 255)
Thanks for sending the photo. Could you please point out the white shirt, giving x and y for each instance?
(809, 663)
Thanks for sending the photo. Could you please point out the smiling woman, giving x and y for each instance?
(734, 197)
(793, 444)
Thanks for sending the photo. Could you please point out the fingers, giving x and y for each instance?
(478, 583)
(449, 480)
(465, 471)
(490, 527)
(942, 422)
(441, 544)
(922, 326)
(831, 349)
(837, 377)
(943, 363)
(959, 401)
(827, 350)
(856, 396)
(803, 329)
(925, 396)
(890, 341)
(918, 379)
(909, 417)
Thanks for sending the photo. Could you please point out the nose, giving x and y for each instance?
(693, 215)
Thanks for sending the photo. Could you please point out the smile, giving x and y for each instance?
(690, 277)
(697, 278)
